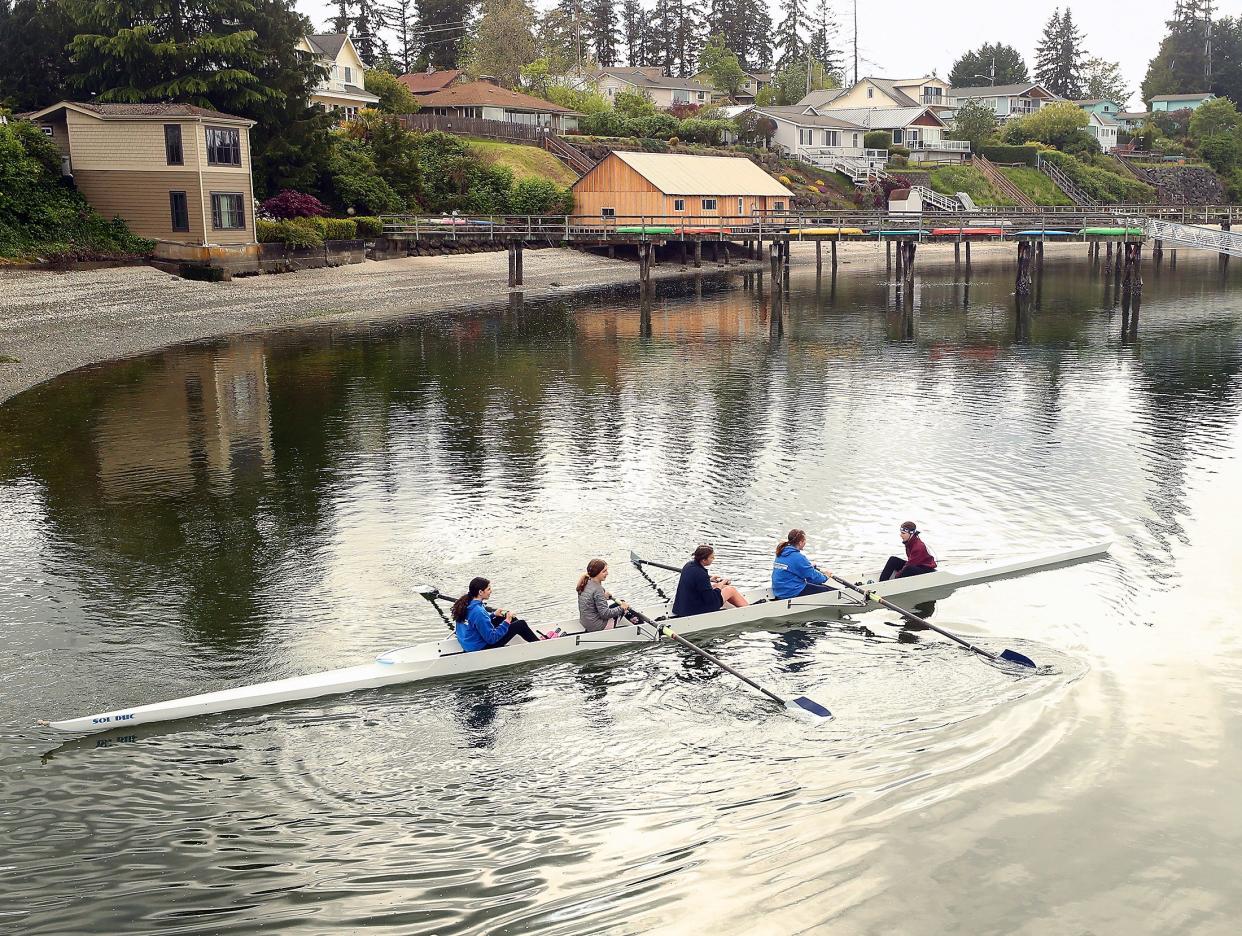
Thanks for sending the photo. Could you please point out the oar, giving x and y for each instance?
(640, 562)
(434, 595)
(1010, 656)
(802, 702)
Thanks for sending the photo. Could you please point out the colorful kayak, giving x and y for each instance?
(643, 229)
(829, 231)
(1113, 231)
(1043, 233)
(906, 233)
(967, 232)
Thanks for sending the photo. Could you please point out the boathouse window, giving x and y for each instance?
(778, 206)
(227, 211)
(223, 146)
(180, 210)
(709, 204)
(741, 206)
(679, 204)
(608, 212)
(172, 145)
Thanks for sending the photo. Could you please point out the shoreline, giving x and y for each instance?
(54, 322)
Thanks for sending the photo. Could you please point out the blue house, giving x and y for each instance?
(1100, 106)
(1173, 102)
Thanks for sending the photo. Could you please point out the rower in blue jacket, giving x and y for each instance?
(478, 628)
(793, 575)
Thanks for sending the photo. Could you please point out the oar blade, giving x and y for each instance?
(635, 559)
(1012, 656)
(803, 704)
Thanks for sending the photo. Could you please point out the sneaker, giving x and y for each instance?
(552, 635)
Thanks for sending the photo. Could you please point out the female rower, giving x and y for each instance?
(918, 560)
(477, 628)
(793, 575)
(593, 610)
(699, 592)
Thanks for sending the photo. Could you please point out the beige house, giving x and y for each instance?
(928, 91)
(344, 88)
(663, 91)
(486, 101)
(175, 173)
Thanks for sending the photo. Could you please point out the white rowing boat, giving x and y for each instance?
(445, 658)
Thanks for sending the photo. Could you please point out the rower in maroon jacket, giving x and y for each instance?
(918, 560)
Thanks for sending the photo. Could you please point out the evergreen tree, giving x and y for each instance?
(790, 34)
(975, 68)
(504, 41)
(823, 42)
(601, 27)
(362, 20)
(758, 31)
(1058, 57)
(1179, 66)
(633, 30)
(441, 29)
(34, 53)
(401, 17)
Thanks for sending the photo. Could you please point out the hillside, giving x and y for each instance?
(527, 162)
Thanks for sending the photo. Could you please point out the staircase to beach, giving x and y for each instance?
(567, 153)
(1067, 185)
(858, 169)
(1001, 182)
(936, 200)
(1132, 170)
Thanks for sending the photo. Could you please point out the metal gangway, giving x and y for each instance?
(1192, 235)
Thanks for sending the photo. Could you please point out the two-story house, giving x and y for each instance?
(928, 91)
(663, 91)
(825, 134)
(1009, 101)
(1100, 106)
(1173, 102)
(344, 88)
(752, 83)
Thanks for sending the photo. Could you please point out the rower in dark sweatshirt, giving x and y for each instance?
(918, 560)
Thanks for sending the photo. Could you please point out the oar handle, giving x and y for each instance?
(910, 615)
(665, 631)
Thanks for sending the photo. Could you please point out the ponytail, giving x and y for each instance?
(458, 611)
(792, 538)
(594, 568)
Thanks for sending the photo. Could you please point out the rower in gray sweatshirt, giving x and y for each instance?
(593, 608)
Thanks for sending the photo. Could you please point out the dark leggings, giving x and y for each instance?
(813, 589)
(518, 628)
(893, 568)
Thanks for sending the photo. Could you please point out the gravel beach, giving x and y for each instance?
(51, 323)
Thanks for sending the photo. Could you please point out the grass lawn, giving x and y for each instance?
(949, 180)
(1035, 185)
(527, 162)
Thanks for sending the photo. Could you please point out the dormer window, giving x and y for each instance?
(870, 91)
(349, 75)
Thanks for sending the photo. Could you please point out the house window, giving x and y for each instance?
(227, 212)
(681, 97)
(741, 206)
(709, 204)
(699, 95)
(172, 146)
(870, 92)
(832, 138)
(804, 136)
(47, 130)
(679, 204)
(349, 75)
(180, 211)
(608, 212)
(223, 146)
(897, 136)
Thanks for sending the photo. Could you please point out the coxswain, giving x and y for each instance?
(699, 592)
(793, 574)
(917, 561)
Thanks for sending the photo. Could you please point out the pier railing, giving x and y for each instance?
(818, 225)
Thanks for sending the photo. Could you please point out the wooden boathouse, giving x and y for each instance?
(675, 186)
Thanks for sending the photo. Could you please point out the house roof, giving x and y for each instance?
(820, 98)
(1105, 120)
(1194, 96)
(132, 111)
(484, 93)
(808, 117)
(759, 75)
(642, 78)
(1133, 115)
(683, 174)
(426, 82)
(1007, 90)
(888, 86)
(328, 44)
(880, 118)
(1087, 102)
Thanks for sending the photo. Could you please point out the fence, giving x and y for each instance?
(477, 126)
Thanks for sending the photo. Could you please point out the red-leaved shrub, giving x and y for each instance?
(290, 204)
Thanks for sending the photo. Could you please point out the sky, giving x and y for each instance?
(910, 38)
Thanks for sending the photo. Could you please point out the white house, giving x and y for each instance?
(663, 91)
(842, 130)
(927, 91)
(344, 89)
(1104, 128)
(1015, 100)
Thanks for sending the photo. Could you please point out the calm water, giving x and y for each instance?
(231, 512)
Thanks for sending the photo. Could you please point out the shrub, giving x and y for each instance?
(369, 227)
(898, 161)
(318, 225)
(605, 123)
(899, 151)
(1221, 151)
(673, 141)
(877, 139)
(340, 229)
(539, 196)
(291, 204)
(1100, 184)
(633, 104)
(652, 126)
(785, 180)
(653, 146)
(394, 97)
(289, 233)
(1010, 154)
(710, 132)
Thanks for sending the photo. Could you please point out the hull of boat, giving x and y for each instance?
(445, 658)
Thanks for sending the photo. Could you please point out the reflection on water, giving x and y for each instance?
(236, 511)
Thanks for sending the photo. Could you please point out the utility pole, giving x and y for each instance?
(1207, 45)
(855, 41)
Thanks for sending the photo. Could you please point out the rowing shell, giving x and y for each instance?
(439, 659)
